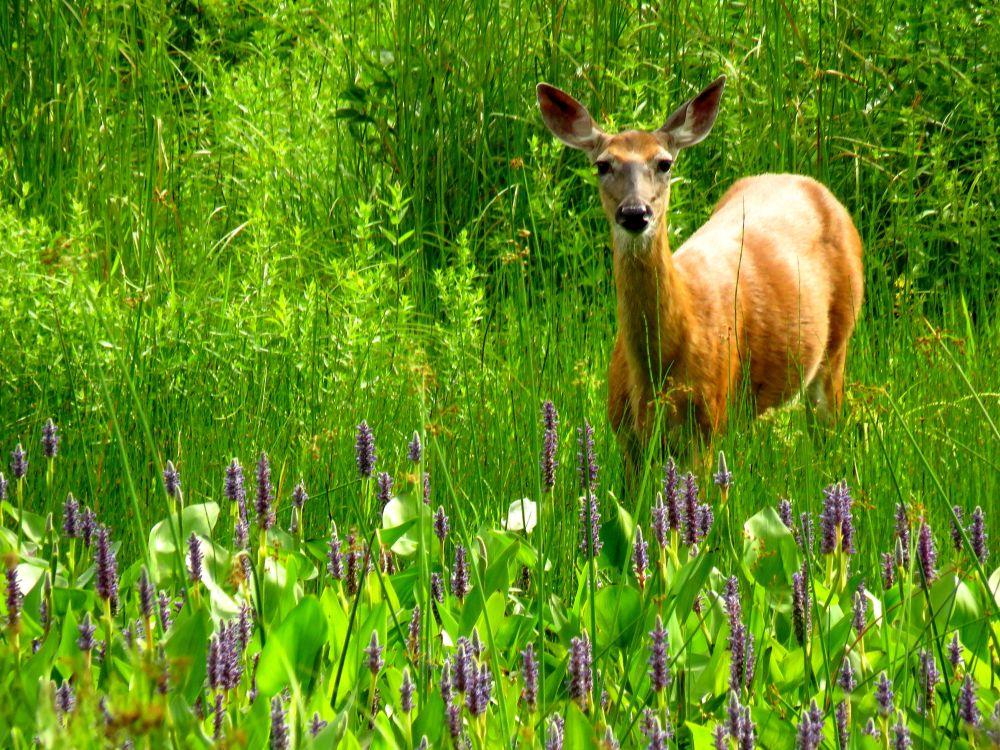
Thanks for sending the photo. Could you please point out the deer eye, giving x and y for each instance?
(664, 165)
(603, 168)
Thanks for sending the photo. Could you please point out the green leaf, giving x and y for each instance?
(769, 551)
(619, 614)
(616, 533)
(580, 733)
(292, 648)
(187, 641)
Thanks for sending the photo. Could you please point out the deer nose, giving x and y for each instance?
(633, 216)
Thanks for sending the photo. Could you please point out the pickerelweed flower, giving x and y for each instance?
(723, 477)
(928, 676)
(477, 697)
(884, 695)
(86, 629)
(927, 553)
(556, 733)
(871, 730)
(901, 735)
(859, 619)
(299, 495)
(447, 685)
(608, 741)
(968, 710)
(785, 514)
(460, 574)
(659, 524)
(845, 678)
(15, 599)
(888, 570)
(590, 526)
(406, 690)
(529, 678)
(413, 633)
(265, 496)
(805, 531)
(218, 715)
(44, 606)
(437, 587)
(3, 487)
(453, 715)
(65, 698)
(956, 528)
(164, 611)
(18, 463)
(656, 736)
(317, 724)
(415, 450)
(440, 524)
(364, 450)
(903, 533)
(734, 714)
(463, 670)
(720, 737)
(731, 602)
(801, 606)
(640, 558)
(427, 488)
(374, 653)
(384, 488)
(171, 479)
(955, 652)
(836, 521)
(146, 595)
(235, 487)
(689, 509)
(279, 729)
(810, 733)
(71, 517)
(842, 717)
(977, 535)
(659, 676)
(586, 459)
(550, 446)
(106, 565)
(195, 558)
(671, 494)
(334, 559)
(50, 439)
(581, 673)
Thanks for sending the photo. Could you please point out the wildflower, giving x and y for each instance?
(440, 524)
(264, 499)
(195, 558)
(640, 557)
(374, 652)
(18, 463)
(252, 692)
(741, 657)
(406, 690)
(427, 488)
(3, 487)
(164, 607)
(279, 729)
(384, 493)
(529, 677)
(955, 652)
(415, 450)
(44, 613)
(671, 496)
(550, 446)
(810, 733)
(460, 574)
(65, 698)
(723, 478)
(15, 599)
(106, 579)
(884, 695)
(734, 712)
(841, 717)
(454, 720)
(956, 528)
(447, 686)
(413, 632)
(900, 735)
(50, 439)
(477, 698)
(587, 467)
(464, 671)
(659, 525)
(968, 711)
(903, 534)
(928, 677)
(785, 513)
(926, 553)
(846, 678)
(146, 595)
(731, 601)
(556, 733)
(219, 715)
(888, 571)
(334, 559)
(235, 489)
(86, 629)
(655, 735)
(590, 526)
(581, 675)
(690, 510)
(437, 587)
(659, 677)
(71, 517)
(608, 742)
(860, 611)
(977, 535)
(317, 725)
(720, 737)
(364, 450)
(806, 531)
(836, 521)
(801, 606)
(871, 730)
(171, 479)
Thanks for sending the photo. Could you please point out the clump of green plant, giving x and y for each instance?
(240, 624)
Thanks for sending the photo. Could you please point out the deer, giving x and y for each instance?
(760, 300)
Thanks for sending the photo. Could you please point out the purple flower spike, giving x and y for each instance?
(550, 446)
(71, 517)
(690, 510)
(927, 553)
(299, 496)
(720, 737)
(884, 695)
(334, 559)
(587, 467)
(928, 676)
(86, 629)
(415, 450)
(977, 535)
(279, 729)
(437, 587)
(734, 712)
(785, 514)
(529, 678)
(265, 497)
(671, 494)
(447, 686)
(842, 717)
(556, 733)
(859, 619)
(968, 711)
(836, 521)
(659, 525)
(3, 487)
(956, 528)
(171, 479)
(18, 463)
(581, 674)
(659, 676)
(846, 678)
(731, 601)
(316, 725)
(441, 524)
(590, 526)
(50, 439)
(413, 632)
(656, 736)
(955, 652)
(146, 595)
(454, 721)
(195, 558)
(477, 697)
(810, 733)
(888, 570)
(15, 599)
(427, 488)
(374, 652)
(406, 690)
(364, 450)
(65, 699)
(384, 482)
(901, 735)
(460, 574)
(106, 579)
(163, 604)
(723, 477)
(235, 487)
(903, 532)
(801, 606)
(871, 730)
(640, 558)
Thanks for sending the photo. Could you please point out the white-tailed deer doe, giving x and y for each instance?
(761, 299)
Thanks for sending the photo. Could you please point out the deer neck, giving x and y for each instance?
(654, 309)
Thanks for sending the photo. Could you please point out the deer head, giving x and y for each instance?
(634, 166)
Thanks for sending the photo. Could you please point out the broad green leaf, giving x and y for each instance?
(769, 550)
(187, 642)
(617, 532)
(580, 733)
(289, 656)
(618, 612)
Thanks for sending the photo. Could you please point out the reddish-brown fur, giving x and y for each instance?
(761, 299)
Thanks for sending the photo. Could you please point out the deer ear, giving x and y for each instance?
(568, 120)
(692, 121)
